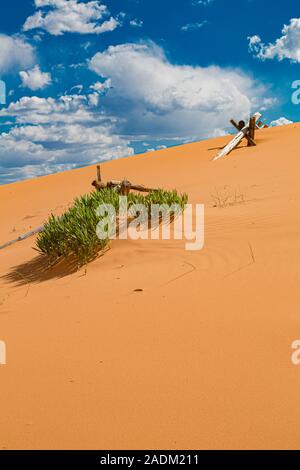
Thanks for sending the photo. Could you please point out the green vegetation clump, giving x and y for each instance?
(74, 232)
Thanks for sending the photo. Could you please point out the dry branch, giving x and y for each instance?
(22, 237)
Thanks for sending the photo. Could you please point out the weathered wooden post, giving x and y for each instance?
(239, 127)
(98, 174)
(252, 126)
(125, 188)
(244, 133)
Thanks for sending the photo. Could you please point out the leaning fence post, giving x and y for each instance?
(252, 125)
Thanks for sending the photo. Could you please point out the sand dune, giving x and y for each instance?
(201, 358)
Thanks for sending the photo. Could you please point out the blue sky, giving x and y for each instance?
(92, 80)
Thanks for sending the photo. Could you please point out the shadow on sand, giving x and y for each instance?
(38, 270)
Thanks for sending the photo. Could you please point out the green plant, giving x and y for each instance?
(74, 232)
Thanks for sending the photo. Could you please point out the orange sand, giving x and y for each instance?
(201, 357)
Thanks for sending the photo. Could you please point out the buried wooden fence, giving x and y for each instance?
(245, 131)
(123, 187)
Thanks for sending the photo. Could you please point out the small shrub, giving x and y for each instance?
(74, 232)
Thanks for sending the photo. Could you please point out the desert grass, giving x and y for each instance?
(227, 196)
(74, 232)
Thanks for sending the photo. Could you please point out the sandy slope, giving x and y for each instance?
(200, 358)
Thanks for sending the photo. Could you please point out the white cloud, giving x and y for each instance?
(55, 134)
(217, 133)
(136, 23)
(61, 16)
(35, 79)
(202, 2)
(153, 97)
(12, 174)
(281, 122)
(101, 87)
(15, 53)
(285, 47)
(193, 26)
(94, 99)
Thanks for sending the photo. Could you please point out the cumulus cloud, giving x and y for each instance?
(153, 97)
(281, 122)
(34, 79)
(61, 16)
(15, 53)
(56, 134)
(285, 47)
